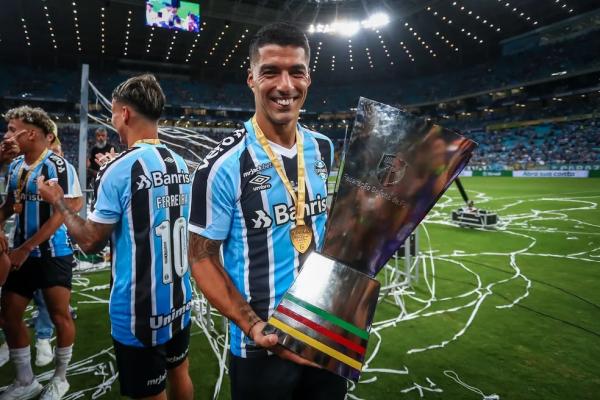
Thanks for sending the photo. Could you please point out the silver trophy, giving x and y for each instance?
(395, 168)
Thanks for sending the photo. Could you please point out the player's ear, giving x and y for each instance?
(126, 114)
(250, 79)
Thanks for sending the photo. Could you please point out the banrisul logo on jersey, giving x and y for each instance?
(159, 178)
(321, 169)
(284, 213)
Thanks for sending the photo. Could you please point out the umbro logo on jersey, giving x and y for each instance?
(262, 220)
(169, 160)
(260, 182)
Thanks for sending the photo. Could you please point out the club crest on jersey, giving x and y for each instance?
(391, 169)
(321, 170)
(260, 182)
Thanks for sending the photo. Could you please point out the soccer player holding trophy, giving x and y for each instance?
(261, 195)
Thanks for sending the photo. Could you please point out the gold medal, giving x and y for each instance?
(301, 236)
(18, 208)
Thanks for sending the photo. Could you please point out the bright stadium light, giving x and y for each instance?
(349, 27)
(346, 28)
(376, 21)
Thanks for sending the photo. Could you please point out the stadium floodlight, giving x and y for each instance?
(376, 21)
(349, 27)
(346, 28)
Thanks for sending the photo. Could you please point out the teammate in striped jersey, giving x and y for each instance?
(142, 199)
(240, 199)
(42, 257)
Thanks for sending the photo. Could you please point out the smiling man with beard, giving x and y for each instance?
(271, 166)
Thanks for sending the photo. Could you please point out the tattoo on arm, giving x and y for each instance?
(90, 236)
(250, 317)
(200, 247)
(64, 209)
(227, 296)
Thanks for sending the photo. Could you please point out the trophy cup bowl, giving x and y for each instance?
(395, 168)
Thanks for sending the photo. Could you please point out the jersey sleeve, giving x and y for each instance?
(331, 157)
(107, 208)
(10, 181)
(74, 179)
(213, 201)
(63, 174)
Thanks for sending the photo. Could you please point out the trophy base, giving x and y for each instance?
(326, 316)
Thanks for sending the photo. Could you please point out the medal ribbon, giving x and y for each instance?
(22, 183)
(146, 141)
(300, 199)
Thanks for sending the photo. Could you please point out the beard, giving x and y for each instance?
(101, 144)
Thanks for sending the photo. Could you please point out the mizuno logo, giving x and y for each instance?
(262, 220)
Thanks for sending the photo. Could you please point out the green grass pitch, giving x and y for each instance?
(512, 311)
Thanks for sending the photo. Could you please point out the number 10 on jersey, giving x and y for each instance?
(176, 254)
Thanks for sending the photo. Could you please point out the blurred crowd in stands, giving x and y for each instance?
(546, 146)
(541, 63)
(211, 110)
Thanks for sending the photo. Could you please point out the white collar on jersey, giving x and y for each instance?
(285, 152)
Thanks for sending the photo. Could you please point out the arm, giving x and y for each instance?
(20, 254)
(76, 204)
(90, 236)
(215, 284)
(47, 229)
(6, 209)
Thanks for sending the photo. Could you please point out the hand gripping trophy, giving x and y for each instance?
(395, 169)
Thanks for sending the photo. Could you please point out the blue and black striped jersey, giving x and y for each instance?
(145, 192)
(239, 198)
(36, 211)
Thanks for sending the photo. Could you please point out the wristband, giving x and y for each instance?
(252, 326)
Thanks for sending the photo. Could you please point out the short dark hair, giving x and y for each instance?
(279, 33)
(143, 93)
(30, 115)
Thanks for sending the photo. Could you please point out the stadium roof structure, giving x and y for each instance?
(350, 39)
